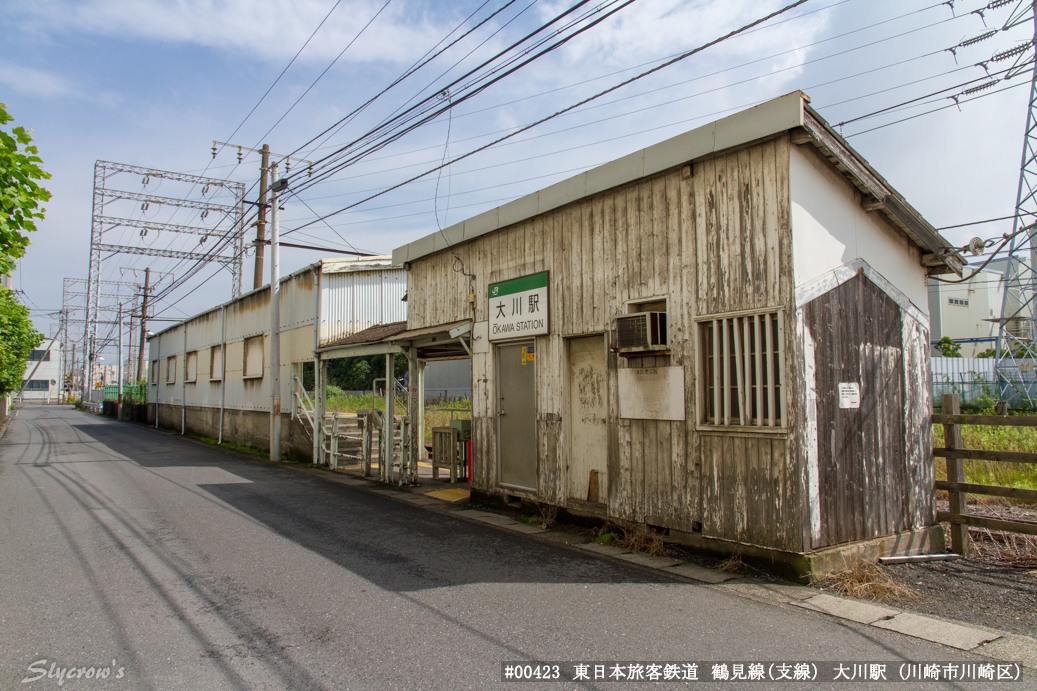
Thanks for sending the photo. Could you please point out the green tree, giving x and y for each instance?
(989, 352)
(17, 339)
(948, 348)
(20, 193)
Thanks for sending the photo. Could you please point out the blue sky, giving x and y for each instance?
(154, 83)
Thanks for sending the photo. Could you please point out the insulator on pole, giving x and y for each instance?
(976, 39)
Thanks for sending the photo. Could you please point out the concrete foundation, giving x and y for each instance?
(796, 566)
(249, 428)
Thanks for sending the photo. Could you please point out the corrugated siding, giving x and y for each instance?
(352, 301)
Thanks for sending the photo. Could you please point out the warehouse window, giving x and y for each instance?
(958, 302)
(38, 355)
(253, 364)
(171, 370)
(191, 368)
(216, 363)
(740, 370)
(36, 385)
(154, 371)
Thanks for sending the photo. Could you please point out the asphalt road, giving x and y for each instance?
(187, 567)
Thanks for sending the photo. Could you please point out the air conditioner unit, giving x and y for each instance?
(642, 332)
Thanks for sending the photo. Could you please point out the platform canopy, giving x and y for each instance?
(440, 342)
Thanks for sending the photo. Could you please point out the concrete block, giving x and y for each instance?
(1012, 648)
(472, 513)
(564, 538)
(494, 519)
(680, 149)
(518, 210)
(418, 499)
(619, 172)
(599, 548)
(700, 573)
(649, 560)
(523, 528)
(561, 193)
(860, 612)
(953, 635)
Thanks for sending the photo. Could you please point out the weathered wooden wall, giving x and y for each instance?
(870, 471)
(713, 242)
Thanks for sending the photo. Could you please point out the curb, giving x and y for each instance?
(7, 423)
(991, 643)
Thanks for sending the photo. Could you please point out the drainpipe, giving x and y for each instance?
(223, 366)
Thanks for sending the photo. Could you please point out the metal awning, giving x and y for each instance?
(440, 342)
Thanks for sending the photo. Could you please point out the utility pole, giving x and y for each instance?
(72, 373)
(275, 317)
(143, 324)
(119, 370)
(261, 218)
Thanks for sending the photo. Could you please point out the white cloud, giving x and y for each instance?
(33, 82)
(649, 30)
(265, 28)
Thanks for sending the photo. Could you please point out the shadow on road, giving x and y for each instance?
(395, 546)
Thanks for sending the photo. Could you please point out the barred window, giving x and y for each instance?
(740, 375)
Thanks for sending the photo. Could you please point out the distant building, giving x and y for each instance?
(42, 376)
(966, 312)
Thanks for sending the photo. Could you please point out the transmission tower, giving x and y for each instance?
(230, 223)
(1016, 344)
(73, 311)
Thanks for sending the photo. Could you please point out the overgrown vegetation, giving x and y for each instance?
(991, 438)
(17, 339)
(20, 199)
(636, 539)
(436, 414)
(868, 581)
(20, 192)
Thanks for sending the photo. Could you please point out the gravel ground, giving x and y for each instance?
(976, 591)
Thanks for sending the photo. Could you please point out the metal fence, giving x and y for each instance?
(975, 380)
(131, 393)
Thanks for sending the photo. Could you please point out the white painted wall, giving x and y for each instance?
(830, 228)
(948, 317)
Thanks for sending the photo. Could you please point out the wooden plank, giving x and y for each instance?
(703, 223)
(955, 473)
(987, 490)
(725, 413)
(745, 203)
(983, 455)
(758, 347)
(739, 326)
(984, 522)
(991, 420)
(598, 267)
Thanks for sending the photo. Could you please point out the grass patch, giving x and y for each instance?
(636, 539)
(988, 438)
(436, 414)
(867, 581)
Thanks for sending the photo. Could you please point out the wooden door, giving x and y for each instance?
(588, 406)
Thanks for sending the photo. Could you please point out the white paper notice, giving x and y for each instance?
(849, 395)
